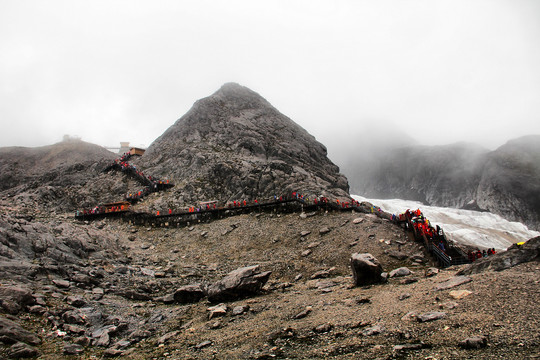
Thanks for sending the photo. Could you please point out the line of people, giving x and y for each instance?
(102, 209)
(152, 184)
(235, 204)
(422, 226)
(475, 255)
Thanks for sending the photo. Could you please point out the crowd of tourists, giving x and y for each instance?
(475, 255)
(104, 209)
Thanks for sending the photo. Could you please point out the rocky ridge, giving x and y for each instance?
(59, 177)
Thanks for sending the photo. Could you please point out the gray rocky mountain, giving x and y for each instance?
(234, 145)
(510, 182)
(504, 181)
(64, 163)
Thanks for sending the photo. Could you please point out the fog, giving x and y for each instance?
(111, 71)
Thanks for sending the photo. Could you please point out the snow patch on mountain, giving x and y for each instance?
(467, 227)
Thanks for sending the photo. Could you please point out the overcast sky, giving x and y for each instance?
(110, 71)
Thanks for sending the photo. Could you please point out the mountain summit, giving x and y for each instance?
(234, 144)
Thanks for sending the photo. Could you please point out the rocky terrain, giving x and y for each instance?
(504, 181)
(259, 285)
(60, 177)
(108, 289)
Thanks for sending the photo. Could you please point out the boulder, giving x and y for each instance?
(217, 311)
(459, 294)
(402, 271)
(453, 282)
(475, 342)
(12, 331)
(430, 272)
(373, 330)
(73, 349)
(18, 295)
(366, 269)
(240, 309)
(188, 294)
(408, 347)
(324, 230)
(323, 328)
(75, 301)
(302, 314)
(60, 283)
(21, 350)
(430, 316)
(321, 274)
(242, 282)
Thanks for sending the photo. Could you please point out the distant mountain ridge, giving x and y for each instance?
(64, 163)
(505, 181)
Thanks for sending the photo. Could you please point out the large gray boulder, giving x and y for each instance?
(366, 269)
(12, 332)
(242, 282)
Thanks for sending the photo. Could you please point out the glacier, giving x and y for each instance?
(478, 229)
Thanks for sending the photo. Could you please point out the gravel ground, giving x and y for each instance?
(295, 316)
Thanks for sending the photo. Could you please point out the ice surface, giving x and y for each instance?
(474, 228)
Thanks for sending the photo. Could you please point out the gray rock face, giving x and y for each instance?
(366, 269)
(436, 175)
(530, 251)
(510, 182)
(55, 246)
(14, 332)
(14, 298)
(188, 294)
(239, 283)
(235, 145)
(22, 351)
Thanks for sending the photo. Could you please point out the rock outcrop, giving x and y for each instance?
(30, 247)
(514, 255)
(60, 177)
(239, 283)
(366, 269)
(235, 145)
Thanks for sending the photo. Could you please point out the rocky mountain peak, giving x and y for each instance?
(235, 144)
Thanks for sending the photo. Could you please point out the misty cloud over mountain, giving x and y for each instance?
(461, 175)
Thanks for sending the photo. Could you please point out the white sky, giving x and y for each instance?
(111, 71)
